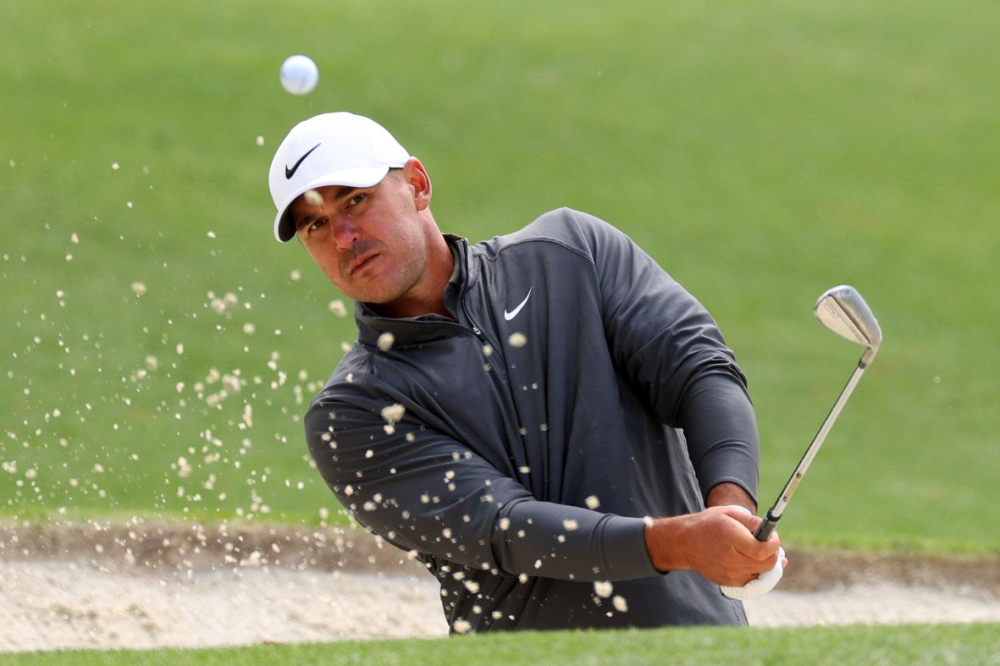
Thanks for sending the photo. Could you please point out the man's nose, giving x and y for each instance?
(345, 233)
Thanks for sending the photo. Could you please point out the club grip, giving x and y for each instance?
(765, 529)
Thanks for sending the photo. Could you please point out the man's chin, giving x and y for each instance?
(374, 300)
(364, 291)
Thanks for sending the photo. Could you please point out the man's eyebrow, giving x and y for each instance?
(342, 192)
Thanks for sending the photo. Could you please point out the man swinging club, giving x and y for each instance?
(541, 418)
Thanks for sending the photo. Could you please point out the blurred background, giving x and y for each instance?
(158, 347)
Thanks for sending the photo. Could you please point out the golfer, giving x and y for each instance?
(541, 419)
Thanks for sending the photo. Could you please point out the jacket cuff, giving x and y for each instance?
(623, 545)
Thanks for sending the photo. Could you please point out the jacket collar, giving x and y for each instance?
(424, 328)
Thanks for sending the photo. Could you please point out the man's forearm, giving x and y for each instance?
(721, 431)
(570, 543)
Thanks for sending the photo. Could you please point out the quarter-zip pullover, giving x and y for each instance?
(517, 448)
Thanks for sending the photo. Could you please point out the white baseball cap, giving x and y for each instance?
(329, 149)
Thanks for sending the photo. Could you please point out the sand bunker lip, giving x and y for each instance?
(178, 546)
(149, 585)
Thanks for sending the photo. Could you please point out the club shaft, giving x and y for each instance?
(774, 514)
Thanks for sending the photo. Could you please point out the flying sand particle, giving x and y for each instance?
(603, 588)
(385, 341)
(337, 308)
(393, 413)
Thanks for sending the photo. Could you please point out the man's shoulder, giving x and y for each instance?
(351, 376)
(563, 224)
(566, 227)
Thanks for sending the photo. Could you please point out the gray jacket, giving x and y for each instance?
(578, 390)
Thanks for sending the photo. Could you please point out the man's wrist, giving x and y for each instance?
(730, 493)
(662, 543)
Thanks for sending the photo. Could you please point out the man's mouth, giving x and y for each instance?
(361, 262)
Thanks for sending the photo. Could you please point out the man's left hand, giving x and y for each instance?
(764, 582)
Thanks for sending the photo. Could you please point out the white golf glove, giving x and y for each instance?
(760, 585)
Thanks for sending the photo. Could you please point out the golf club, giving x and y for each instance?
(843, 311)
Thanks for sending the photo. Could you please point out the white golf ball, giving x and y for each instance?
(299, 75)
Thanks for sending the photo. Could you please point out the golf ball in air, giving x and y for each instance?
(299, 75)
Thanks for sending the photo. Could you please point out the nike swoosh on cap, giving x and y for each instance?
(513, 313)
(295, 167)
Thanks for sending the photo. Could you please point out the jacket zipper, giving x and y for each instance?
(482, 336)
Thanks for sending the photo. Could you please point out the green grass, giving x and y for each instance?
(968, 645)
(761, 153)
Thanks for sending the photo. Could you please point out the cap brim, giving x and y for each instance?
(284, 228)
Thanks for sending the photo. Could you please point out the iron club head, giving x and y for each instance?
(843, 311)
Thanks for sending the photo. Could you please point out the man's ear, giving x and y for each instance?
(416, 177)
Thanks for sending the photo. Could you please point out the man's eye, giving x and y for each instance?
(356, 199)
(317, 224)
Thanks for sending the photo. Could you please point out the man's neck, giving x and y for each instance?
(427, 297)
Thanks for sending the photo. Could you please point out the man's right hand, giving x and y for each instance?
(717, 543)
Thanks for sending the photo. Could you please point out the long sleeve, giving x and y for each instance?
(424, 491)
(669, 346)
(721, 431)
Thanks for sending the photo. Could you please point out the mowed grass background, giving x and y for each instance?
(761, 153)
(969, 645)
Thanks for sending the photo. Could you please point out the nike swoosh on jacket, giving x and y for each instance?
(513, 313)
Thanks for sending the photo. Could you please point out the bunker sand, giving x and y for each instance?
(142, 585)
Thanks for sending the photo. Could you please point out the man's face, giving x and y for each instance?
(371, 242)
